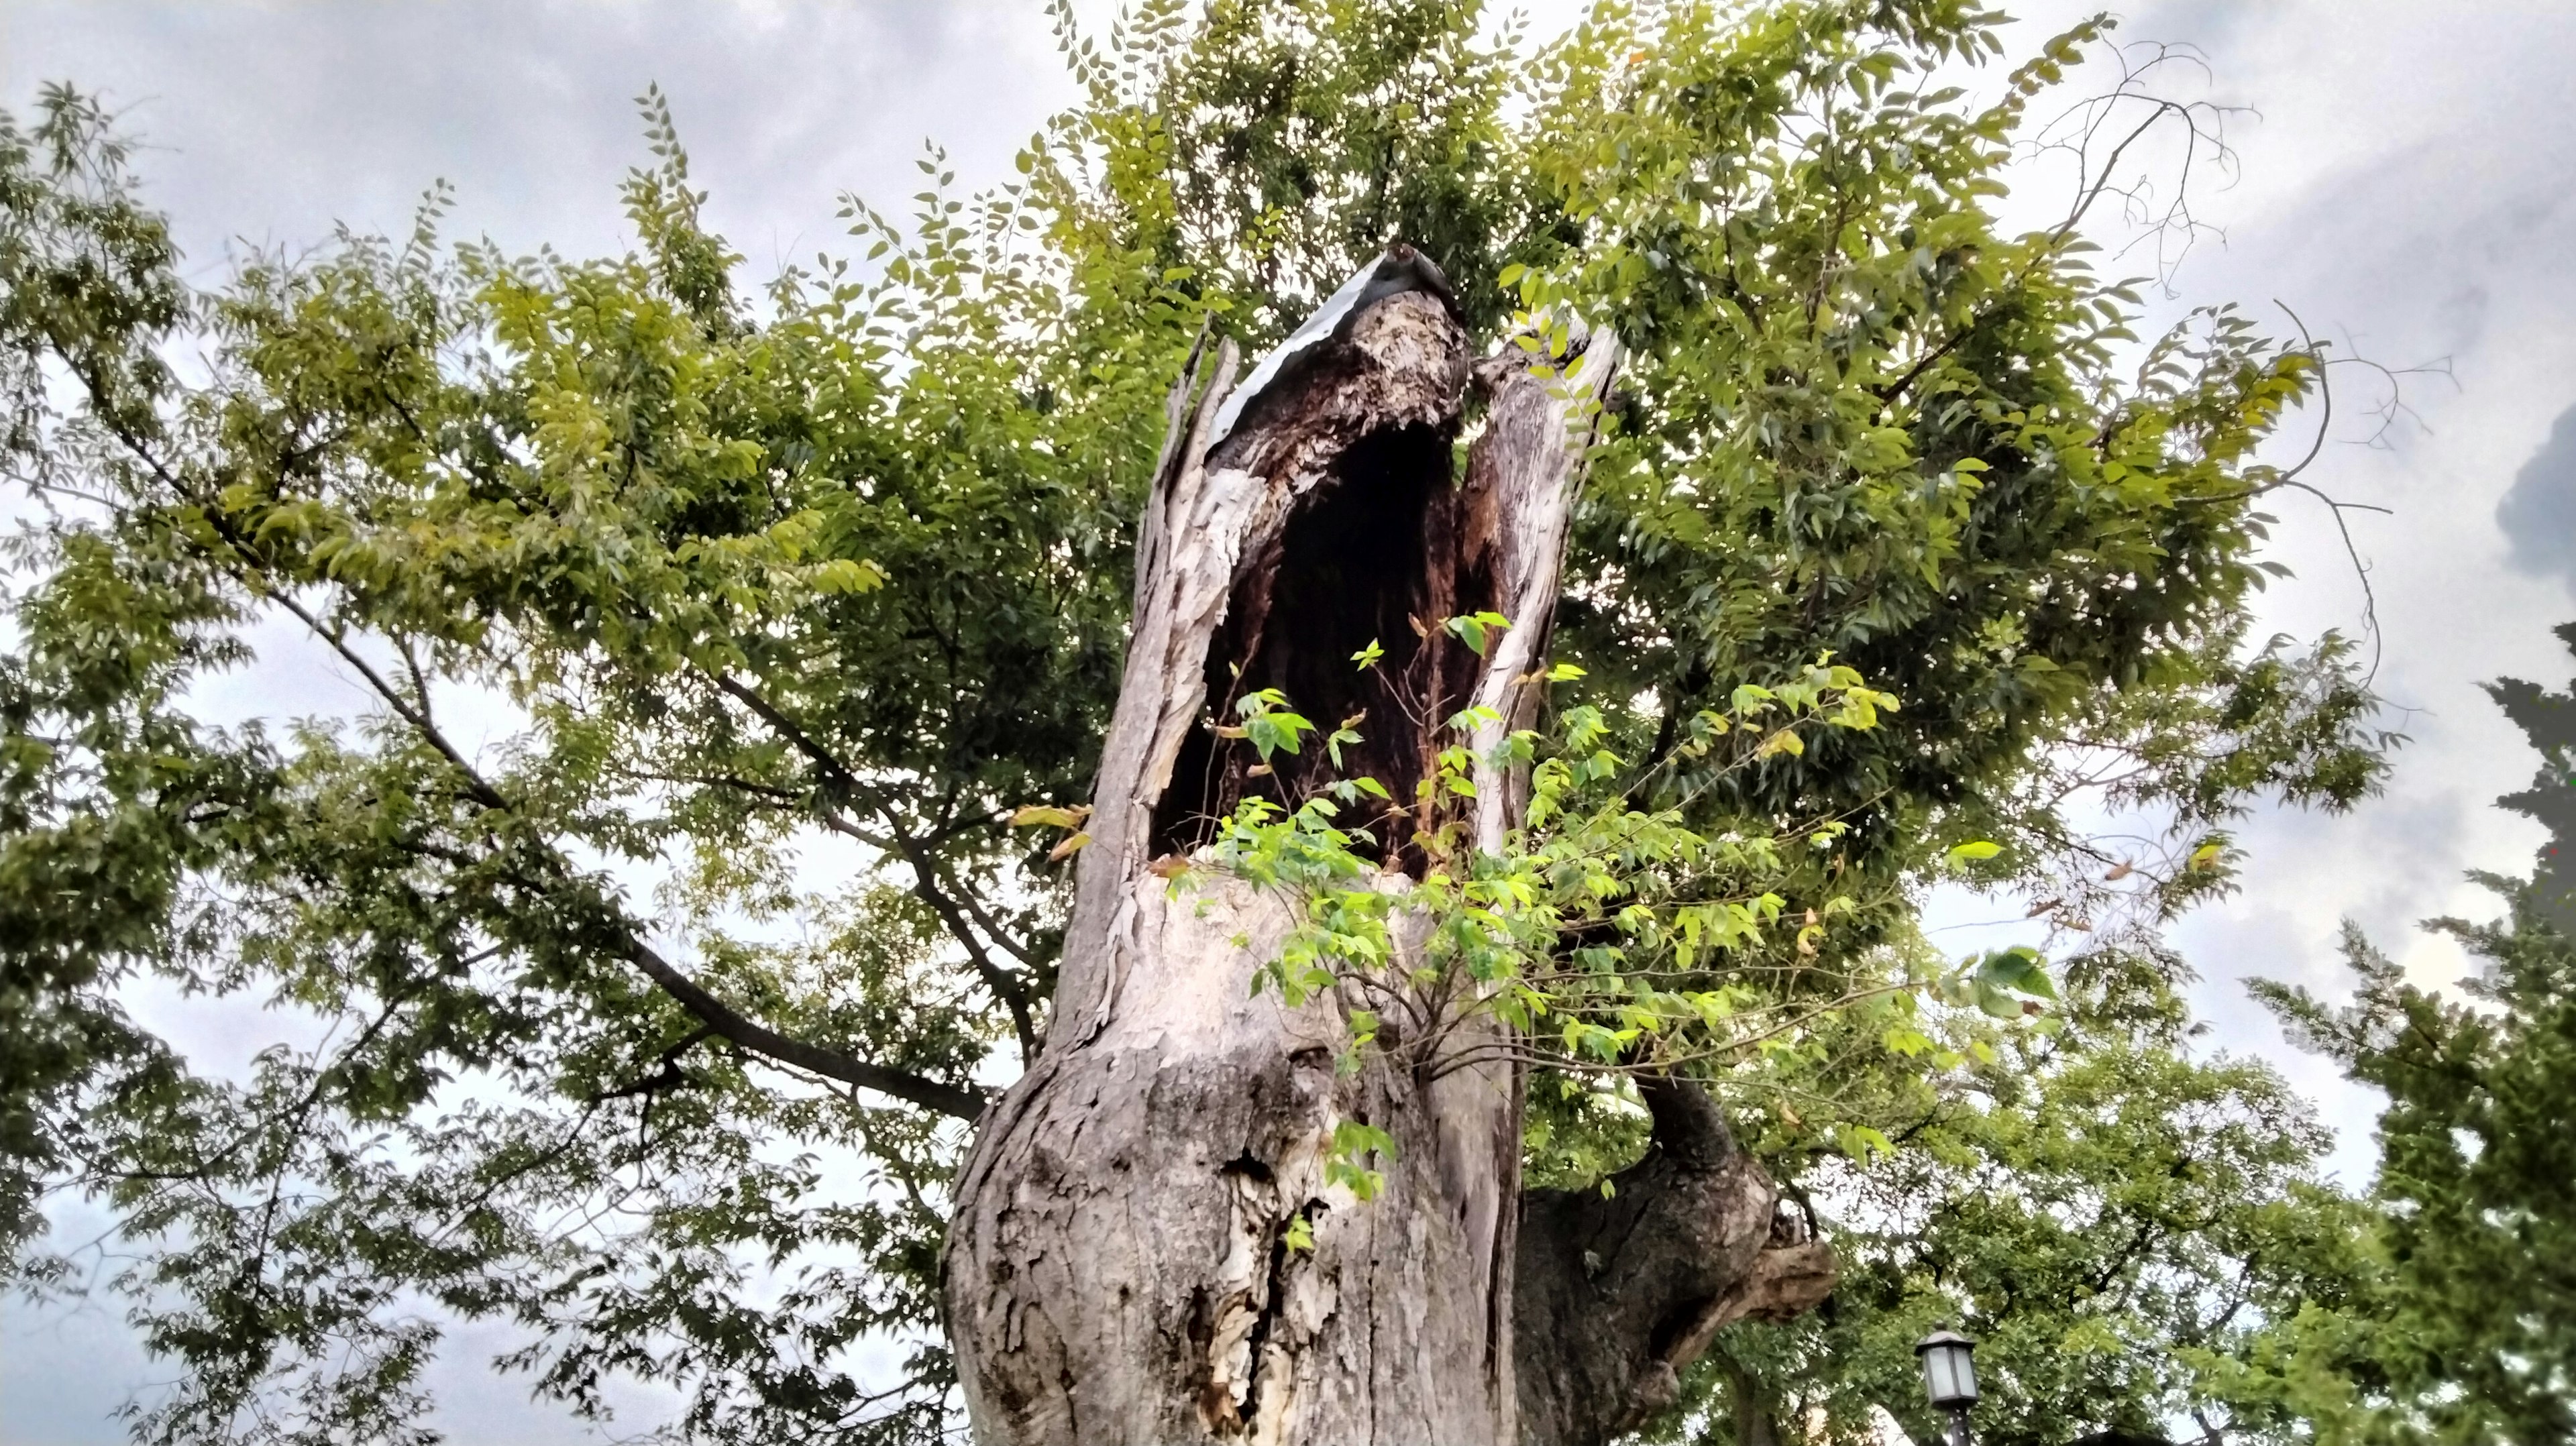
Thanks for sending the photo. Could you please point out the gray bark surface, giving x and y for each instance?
(1690, 1239)
(1118, 1268)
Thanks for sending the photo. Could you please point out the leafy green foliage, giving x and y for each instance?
(665, 598)
(719, 586)
(1861, 419)
(2125, 1230)
(1601, 936)
(1277, 145)
(2548, 720)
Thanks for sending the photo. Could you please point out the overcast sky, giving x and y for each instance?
(2404, 188)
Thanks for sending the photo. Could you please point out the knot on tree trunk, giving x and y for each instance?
(1615, 1295)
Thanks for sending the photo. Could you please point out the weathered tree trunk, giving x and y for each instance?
(1638, 1282)
(1119, 1267)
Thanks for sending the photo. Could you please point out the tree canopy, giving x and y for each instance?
(2121, 1226)
(658, 909)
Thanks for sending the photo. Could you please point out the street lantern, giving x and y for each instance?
(1950, 1377)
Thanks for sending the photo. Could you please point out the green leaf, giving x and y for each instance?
(1040, 815)
(1472, 629)
(1785, 741)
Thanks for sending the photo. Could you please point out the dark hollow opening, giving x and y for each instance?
(1373, 554)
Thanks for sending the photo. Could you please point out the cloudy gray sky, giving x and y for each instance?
(2404, 187)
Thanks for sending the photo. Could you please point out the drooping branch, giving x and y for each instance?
(839, 778)
(962, 1103)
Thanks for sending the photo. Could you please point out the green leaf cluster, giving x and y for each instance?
(2129, 1232)
(1601, 935)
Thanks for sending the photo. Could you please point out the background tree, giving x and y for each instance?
(2126, 1230)
(709, 642)
(2549, 721)
(2472, 1337)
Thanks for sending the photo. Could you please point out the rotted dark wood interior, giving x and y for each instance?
(1375, 553)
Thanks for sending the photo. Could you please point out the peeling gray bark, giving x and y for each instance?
(1118, 1268)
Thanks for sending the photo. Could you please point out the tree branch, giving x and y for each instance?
(961, 1102)
(925, 870)
(996, 979)
(1614, 1296)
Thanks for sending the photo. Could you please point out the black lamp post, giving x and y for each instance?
(1950, 1377)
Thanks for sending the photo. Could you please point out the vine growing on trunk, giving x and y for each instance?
(1603, 937)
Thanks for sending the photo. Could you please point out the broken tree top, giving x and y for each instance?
(1399, 268)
